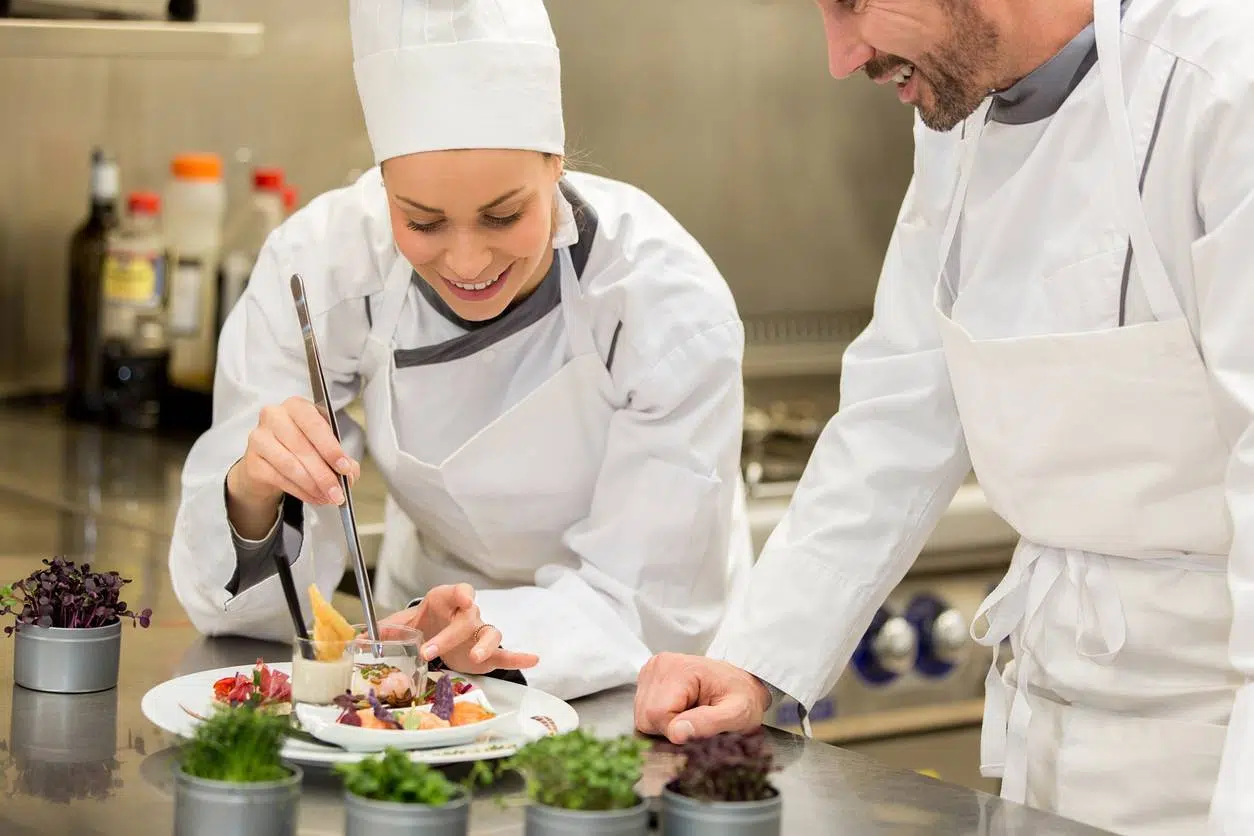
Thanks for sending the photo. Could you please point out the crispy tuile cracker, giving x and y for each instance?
(331, 631)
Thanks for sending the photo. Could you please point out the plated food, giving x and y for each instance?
(178, 705)
(364, 694)
(263, 687)
(440, 712)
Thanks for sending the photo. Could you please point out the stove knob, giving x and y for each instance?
(943, 635)
(887, 650)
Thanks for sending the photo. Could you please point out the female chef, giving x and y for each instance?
(548, 364)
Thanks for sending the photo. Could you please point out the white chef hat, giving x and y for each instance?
(437, 75)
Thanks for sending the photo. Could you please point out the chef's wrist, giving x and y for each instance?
(250, 514)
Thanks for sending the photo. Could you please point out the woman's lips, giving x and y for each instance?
(479, 291)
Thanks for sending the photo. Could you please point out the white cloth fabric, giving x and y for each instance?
(1038, 273)
(436, 75)
(630, 544)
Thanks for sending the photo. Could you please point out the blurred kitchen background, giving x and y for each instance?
(210, 131)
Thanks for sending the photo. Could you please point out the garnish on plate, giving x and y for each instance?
(265, 688)
(442, 702)
(460, 686)
(331, 631)
(396, 690)
(371, 712)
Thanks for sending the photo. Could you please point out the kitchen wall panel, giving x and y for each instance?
(723, 109)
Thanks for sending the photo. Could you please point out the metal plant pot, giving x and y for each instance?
(683, 816)
(366, 817)
(555, 821)
(62, 660)
(212, 808)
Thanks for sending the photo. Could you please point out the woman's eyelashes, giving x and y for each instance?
(495, 221)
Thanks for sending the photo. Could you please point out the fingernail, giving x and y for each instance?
(682, 730)
(344, 466)
(337, 496)
(430, 652)
(479, 653)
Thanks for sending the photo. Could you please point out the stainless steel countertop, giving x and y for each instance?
(92, 764)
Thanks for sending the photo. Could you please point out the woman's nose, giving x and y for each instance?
(467, 258)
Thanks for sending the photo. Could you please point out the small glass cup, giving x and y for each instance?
(392, 667)
(321, 670)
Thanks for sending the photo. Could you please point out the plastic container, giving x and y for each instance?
(195, 204)
(135, 350)
(247, 235)
(134, 276)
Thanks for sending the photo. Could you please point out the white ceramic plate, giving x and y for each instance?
(319, 721)
(527, 714)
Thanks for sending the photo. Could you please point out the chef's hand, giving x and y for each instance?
(291, 450)
(684, 697)
(450, 624)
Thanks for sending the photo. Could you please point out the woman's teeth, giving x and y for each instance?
(903, 75)
(479, 286)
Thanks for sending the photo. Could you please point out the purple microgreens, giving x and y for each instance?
(731, 766)
(381, 712)
(347, 703)
(68, 595)
(443, 705)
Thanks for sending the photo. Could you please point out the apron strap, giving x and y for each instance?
(586, 221)
(971, 144)
(1100, 634)
(1158, 288)
(385, 315)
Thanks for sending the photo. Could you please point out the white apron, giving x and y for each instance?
(464, 519)
(473, 522)
(1102, 450)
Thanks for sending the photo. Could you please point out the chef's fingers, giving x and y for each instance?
(456, 633)
(295, 438)
(735, 711)
(464, 596)
(668, 684)
(510, 660)
(318, 431)
(273, 464)
(407, 618)
(262, 472)
(489, 640)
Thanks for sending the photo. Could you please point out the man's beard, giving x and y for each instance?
(953, 71)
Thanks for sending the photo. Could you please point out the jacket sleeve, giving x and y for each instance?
(882, 472)
(653, 551)
(261, 361)
(1223, 264)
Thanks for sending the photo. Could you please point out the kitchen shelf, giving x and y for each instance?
(26, 38)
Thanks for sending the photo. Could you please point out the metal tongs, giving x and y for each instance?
(322, 401)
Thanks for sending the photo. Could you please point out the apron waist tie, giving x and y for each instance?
(1100, 634)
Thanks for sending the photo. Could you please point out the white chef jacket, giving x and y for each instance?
(661, 314)
(888, 464)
